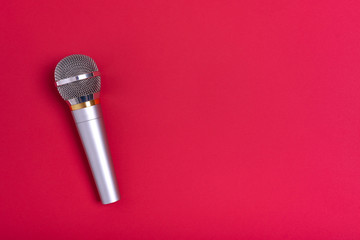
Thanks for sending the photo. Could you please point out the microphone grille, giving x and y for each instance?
(74, 65)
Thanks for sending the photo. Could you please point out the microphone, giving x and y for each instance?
(77, 79)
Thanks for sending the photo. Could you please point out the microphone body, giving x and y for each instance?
(89, 123)
(78, 81)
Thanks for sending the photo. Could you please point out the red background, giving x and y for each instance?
(226, 120)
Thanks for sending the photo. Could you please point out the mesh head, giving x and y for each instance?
(75, 65)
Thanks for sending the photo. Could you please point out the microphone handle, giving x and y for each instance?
(91, 129)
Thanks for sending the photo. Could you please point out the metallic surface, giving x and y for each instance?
(74, 65)
(85, 104)
(80, 88)
(78, 81)
(85, 98)
(77, 78)
(92, 132)
(71, 67)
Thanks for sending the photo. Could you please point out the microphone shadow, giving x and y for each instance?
(56, 98)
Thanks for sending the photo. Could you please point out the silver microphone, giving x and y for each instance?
(77, 79)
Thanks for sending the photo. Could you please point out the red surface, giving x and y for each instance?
(226, 120)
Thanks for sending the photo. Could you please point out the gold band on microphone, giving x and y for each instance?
(84, 104)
